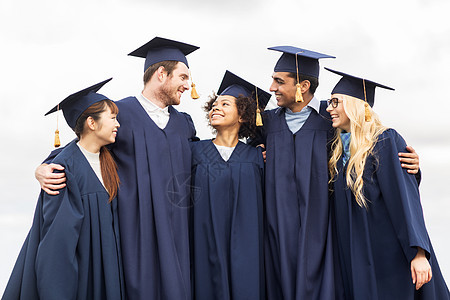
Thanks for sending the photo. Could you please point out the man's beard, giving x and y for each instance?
(168, 95)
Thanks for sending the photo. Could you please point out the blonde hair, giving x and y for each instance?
(364, 135)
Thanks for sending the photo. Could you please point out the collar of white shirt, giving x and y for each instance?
(151, 107)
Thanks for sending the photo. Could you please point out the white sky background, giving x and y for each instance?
(52, 48)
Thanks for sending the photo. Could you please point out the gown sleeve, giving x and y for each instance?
(400, 193)
(56, 258)
(192, 136)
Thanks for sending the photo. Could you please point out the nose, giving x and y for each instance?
(186, 85)
(117, 124)
(273, 87)
(329, 108)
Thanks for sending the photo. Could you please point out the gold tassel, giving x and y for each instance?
(298, 94)
(194, 94)
(57, 141)
(258, 118)
(258, 112)
(367, 114)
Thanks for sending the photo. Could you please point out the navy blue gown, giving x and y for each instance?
(375, 246)
(73, 248)
(298, 235)
(154, 167)
(227, 220)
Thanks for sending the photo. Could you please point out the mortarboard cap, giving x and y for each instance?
(74, 105)
(356, 87)
(161, 49)
(234, 85)
(303, 61)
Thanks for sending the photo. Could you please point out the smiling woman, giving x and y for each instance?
(382, 244)
(73, 247)
(227, 194)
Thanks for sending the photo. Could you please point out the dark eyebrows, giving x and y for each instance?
(276, 78)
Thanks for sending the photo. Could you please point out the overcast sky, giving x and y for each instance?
(52, 48)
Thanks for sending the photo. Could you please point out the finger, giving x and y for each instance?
(262, 146)
(56, 175)
(406, 156)
(409, 160)
(421, 278)
(54, 186)
(55, 181)
(413, 275)
(409, 166)
(410, 149)
(56, 167)
(430, 275)
(415, 171)
(50, 192)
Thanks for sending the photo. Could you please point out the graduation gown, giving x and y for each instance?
(298, 249)
(154, 167)
(227, 222)
(73, 248)
(375, 246)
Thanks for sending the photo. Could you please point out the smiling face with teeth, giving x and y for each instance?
(338, 115)
(224, 113)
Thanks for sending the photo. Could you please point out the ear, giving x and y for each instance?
(90, 122)
(161, 73)
(305, 85)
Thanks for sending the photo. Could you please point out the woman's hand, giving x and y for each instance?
(420, 269)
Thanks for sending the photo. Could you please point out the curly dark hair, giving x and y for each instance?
(246, 107)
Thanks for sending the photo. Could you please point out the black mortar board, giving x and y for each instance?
(357, 87)
(74, 105)
(161, 49)
(303, 61)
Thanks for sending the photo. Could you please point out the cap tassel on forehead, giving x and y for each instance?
(367, 114)
(298, 93)
(194, 94)
(258, 112)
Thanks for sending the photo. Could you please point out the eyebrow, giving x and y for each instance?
(277, 78)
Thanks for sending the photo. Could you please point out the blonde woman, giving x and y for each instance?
(382, 245)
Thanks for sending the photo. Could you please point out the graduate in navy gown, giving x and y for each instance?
(73, 248)
(382, 244)
(298, 249)
(227, 214)
(297, 135)
(154, 163)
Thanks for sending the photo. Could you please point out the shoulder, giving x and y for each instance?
(199, 145)
(65, 157)
(389, 144)
(249, 153)
(390, 137)
(125, 101)
(272, 112)
(186, 116)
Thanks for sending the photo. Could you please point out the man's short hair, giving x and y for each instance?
(314, 82)
(169, 66)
